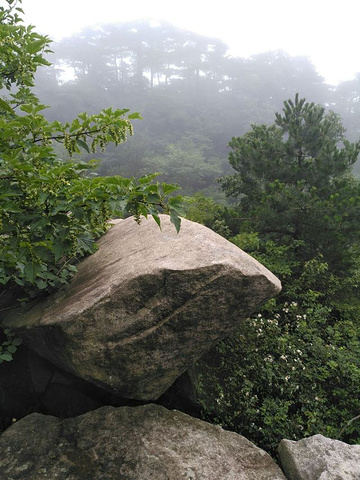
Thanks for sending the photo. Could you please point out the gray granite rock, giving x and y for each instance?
(129, 443)
(145, 306)
(319, 458)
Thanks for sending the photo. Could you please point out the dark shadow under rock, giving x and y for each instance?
(31, 384)
(182, 394)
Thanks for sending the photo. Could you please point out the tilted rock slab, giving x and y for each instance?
(319, 458)
(146, 442)
(146, 306)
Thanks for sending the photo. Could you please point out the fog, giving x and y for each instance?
(193, 96)
(324, 31)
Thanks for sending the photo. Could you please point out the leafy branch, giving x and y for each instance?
(51, 210)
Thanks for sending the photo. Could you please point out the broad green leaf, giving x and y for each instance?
(36, 45)
(168, 188)
(5, 106)
(28, 108)
(41, 60)
(135, 116)
(31, 270)
(83, 144)
(157, 219)
(175, 220)
(85, 242)
(154, 199)
(41, 284)
(7, 357)
(147, 178)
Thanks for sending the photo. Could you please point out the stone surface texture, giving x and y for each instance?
(145, 306)
(319, 458)
(142, 443)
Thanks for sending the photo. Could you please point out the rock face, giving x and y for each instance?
(319, 458)
(129, 443)
(145, 306)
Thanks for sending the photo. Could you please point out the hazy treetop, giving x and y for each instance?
(321, 30)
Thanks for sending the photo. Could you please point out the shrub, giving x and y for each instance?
(288, 373)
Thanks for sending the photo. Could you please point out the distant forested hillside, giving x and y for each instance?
(192, 95)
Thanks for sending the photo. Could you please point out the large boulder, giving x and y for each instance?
(137, 443)
(145, 306)
(319, 458)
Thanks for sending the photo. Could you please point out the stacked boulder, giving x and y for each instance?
(145, 306)
(137, 315)
(140, 443)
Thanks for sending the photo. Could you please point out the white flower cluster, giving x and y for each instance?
(259, 322)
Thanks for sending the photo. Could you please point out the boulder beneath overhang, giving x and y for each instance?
(145, 306)
(129, 443)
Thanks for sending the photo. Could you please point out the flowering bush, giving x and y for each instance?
(293, 369)
(290, 372)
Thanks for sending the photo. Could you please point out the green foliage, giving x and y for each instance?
(9, 345)
(294, 187)
(21, 49)
(293, 369)
(290, 372)
(53, 208)
(189, 161)
(298, 153)
(202, 209)
(51, 216)
(205, 210)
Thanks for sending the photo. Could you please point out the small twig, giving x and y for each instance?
(347, 424)
(87, 133)
(8, 308)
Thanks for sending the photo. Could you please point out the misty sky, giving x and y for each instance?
(323, 30)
